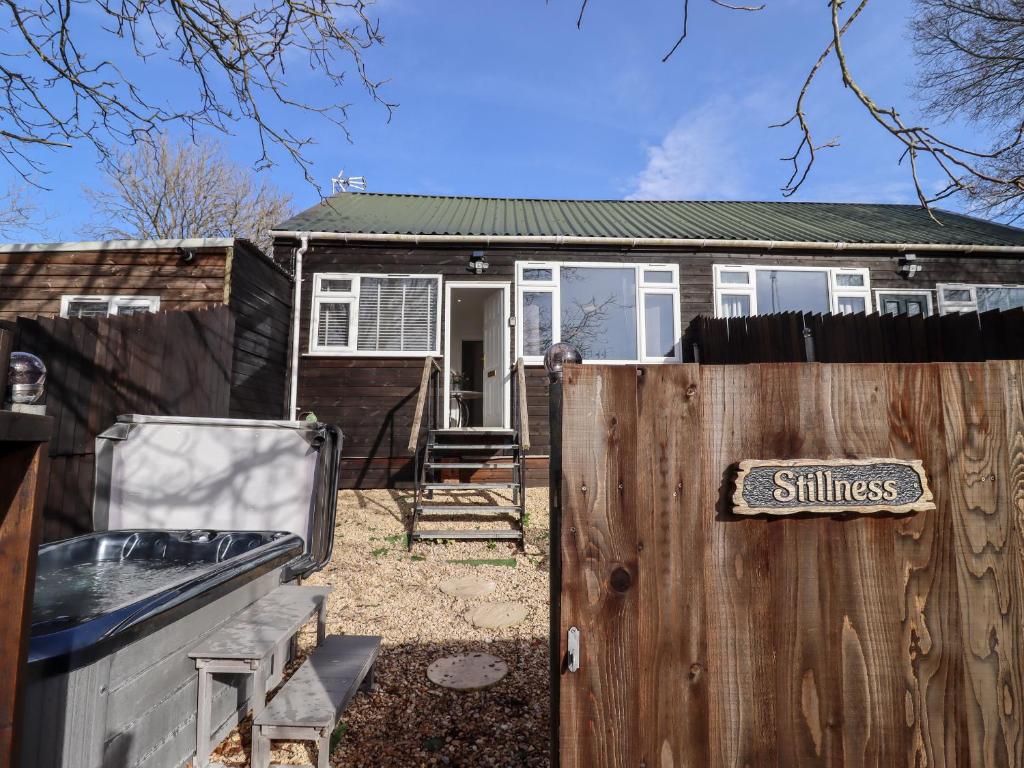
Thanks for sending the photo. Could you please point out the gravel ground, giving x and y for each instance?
(382, 589)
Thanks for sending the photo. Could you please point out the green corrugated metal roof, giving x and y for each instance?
(372, 213)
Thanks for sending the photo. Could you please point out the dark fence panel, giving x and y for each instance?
(167, 363)
(792, 337)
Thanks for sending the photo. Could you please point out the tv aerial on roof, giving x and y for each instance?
(340, 183)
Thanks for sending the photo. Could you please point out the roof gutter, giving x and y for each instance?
(647, 242)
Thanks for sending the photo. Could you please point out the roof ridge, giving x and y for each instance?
(414, 195)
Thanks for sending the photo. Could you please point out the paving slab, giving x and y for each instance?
(467, 586)
(467, 672)
(497, 615)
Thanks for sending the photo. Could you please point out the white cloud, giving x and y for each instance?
(697, 159)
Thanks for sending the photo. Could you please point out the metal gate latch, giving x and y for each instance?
(573, 652)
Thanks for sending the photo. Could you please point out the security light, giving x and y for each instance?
(478, 263)
(909, 266)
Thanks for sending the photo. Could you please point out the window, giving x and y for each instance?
(102, 306)
(741, 291)
(958, 297)
(609, 311)
(375, 315)
(901, 301)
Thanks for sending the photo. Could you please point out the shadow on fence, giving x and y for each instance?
(792, 337)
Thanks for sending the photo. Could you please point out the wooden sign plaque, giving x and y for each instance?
(831, 486)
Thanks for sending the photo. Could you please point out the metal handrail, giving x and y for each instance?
(521, 410)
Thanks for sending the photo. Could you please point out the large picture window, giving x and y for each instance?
(610, 312)
(103, 306)
(375, 315)
(970, 297)
(741, 291)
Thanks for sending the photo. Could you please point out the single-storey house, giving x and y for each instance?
(121, 277)
(386, 280)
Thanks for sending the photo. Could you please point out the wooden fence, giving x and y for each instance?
(792, 337)
(167, 363)
(710, 639)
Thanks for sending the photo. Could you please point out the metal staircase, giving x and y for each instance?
(471, 474)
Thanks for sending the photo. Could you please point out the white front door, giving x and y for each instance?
(495, 360)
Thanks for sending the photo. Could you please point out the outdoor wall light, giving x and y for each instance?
(26, 378)
(909, 266)
(478, 263)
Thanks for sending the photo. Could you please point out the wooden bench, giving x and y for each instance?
(308, 706)
(255, 642)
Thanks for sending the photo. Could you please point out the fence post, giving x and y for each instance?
(556, 356)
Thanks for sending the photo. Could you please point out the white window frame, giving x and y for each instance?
(947, 307)
(926, 292)
(113, 302)
(553, 287)
(835, 292)
(351, 298)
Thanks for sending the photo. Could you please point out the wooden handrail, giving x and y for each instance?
(524, 416)
(417, 420)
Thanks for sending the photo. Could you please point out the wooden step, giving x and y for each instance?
(470, 465)
(470, 431)
(473, 446)
(506, 533)
(435, 509)
(466, 486)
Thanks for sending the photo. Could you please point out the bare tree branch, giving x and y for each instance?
(19, 211)
(239, 57)
(184, 189)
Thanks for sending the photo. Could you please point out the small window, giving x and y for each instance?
(536, 322)
(104, 306)
(535, 274)
(658, 276)
(375, 315)
(850, 279)
(734, 278)
(904, 302)
(335, 285)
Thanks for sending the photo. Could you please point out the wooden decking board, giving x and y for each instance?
(258, 629)
(324, 684)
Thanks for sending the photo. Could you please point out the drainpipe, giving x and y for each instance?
(296, 315)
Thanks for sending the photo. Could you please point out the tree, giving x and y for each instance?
(54, 94)
(971, 54)
(18, 211)
(177, 189)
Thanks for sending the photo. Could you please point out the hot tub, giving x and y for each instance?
(247, 505)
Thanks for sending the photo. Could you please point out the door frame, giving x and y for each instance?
(506, 314)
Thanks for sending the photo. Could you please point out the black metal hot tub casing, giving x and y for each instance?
(116, 612)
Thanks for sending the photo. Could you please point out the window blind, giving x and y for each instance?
(333, 324)
(397, 314)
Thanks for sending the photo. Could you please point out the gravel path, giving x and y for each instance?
(382, 589)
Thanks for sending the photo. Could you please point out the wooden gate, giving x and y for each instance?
(708, 639)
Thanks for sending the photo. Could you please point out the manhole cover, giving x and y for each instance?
(497, 615)
(468, 672)
(467, 586)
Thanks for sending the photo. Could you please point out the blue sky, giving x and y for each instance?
(510, 99)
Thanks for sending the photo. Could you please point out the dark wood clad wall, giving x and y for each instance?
(33, 283)
(260, 295)
(372, 399)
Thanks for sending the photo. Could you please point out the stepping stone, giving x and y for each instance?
(469, 672)
(468, 586)
(497, 615)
